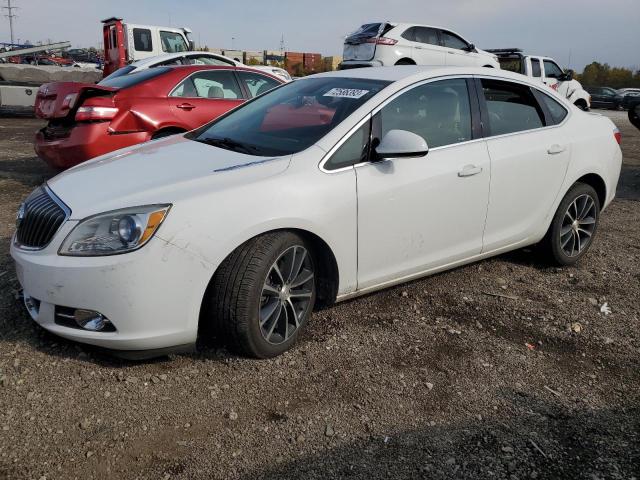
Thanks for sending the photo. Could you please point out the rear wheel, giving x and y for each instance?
(582, 105)
(264, 293)
(573, 226)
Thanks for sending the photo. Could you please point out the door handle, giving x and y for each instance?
(186, 106)
(452, 53)
(469, 171)
(556, 149)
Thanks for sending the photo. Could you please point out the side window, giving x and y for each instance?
(172, 42)
(438, 111)
(409, 34)
(512, 107)
(453, 41)
(556, 110)
(353, 151)
(426, 35)
(536, 71)
(551, 70)
(142, 40)
(257, 84)
(219, 84)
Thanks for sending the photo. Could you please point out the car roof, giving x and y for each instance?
(220, 67)
(170, 56)
(417, 72)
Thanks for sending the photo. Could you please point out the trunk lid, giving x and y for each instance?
(57, 99)
(361, 44)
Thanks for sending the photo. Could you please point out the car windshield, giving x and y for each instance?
(131, 79)
(290, 118)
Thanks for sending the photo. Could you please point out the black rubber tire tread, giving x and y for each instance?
(551, 250)
(237, 285)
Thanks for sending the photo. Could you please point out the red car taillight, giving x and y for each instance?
(89, 114)
(382, 41)
(617, 135)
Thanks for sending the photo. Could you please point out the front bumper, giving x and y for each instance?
(84, 142)
(152, 296)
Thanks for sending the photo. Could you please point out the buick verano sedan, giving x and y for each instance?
(326, 188)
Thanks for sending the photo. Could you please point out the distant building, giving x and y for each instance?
(332, 62)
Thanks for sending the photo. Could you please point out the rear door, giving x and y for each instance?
(530, 154)
(205, 95)
(457, 50)
(425, 45)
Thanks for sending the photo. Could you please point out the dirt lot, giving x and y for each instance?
(433, 379)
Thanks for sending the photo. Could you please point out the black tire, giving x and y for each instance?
(552, 244)
(165, 133)
(236, 297)
(405, 61)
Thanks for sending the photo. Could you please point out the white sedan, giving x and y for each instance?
(320, 190)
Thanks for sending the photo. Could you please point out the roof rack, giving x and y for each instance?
(505, 51)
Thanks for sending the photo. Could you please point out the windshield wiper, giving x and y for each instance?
(230, 144)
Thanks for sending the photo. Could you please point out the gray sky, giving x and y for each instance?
(584, 30)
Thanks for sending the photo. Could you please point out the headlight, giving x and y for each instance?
(110, 233)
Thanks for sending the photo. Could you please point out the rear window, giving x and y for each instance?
(368, 30)
(142, 40)
(132, 79)
(118, 73)
(511, 63)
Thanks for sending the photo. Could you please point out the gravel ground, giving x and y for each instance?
(438, 378)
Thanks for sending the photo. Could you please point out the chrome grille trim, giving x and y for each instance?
(45, 213)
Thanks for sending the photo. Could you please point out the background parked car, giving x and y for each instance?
(630, 97)
(194, 58)
(87, 120)
(604, 97)
(384, 44)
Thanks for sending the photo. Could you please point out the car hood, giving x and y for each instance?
(160, 171)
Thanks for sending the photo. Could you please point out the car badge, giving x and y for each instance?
(22, 212)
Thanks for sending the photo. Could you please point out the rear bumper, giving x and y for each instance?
(349, 64)
(84, 142)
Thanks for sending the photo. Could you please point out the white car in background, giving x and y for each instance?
(384, 44)
(322, 189)
(195, 58)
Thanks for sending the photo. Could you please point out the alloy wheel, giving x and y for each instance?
(286, 295)
(578, 225)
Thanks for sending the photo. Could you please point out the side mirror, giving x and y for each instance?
(566, 76)
(401, 143)
(471, 48)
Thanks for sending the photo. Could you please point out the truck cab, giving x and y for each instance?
(127, 42)
(548, 71)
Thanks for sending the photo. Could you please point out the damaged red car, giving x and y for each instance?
(88, 120)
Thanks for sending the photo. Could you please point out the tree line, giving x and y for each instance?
(603, 75)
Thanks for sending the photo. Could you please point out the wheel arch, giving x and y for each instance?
(327, 268)
(597, 182)
(405, 61)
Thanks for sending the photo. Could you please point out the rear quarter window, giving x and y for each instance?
(556, 110)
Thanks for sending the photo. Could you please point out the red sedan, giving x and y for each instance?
(87, 120)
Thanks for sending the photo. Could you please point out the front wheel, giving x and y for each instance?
(264, 293)
(573, 226)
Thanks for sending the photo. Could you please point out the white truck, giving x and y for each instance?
(127, 42)
(547, 70)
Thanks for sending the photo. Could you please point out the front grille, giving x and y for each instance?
(40, 220)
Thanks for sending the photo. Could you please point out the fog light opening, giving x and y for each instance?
(90, 320)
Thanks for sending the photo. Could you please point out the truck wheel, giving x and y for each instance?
(573, 226)
(264, 293)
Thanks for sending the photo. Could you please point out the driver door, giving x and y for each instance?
(418, 214)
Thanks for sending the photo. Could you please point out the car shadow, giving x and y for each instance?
(539, 436)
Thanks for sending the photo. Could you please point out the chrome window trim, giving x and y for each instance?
(67, 215)
(232, 69)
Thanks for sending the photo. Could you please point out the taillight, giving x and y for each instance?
(382, 41)
(69, 100)
(88, 114)
(617, 135)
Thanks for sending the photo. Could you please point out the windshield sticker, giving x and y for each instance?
(346, 93)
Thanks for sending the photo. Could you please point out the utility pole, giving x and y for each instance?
(10, 15)
(282, 45)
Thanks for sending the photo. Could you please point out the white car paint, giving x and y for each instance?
(195, 58)
(418, 50)
(385, 222)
